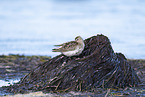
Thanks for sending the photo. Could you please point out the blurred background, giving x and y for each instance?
(32, 27)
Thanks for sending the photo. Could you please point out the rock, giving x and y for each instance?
(97, 66)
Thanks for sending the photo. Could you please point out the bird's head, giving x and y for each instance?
(79, 39)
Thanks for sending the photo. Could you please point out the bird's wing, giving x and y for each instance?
(69, 46)
(58, 49)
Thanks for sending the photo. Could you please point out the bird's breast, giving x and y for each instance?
(75, 52)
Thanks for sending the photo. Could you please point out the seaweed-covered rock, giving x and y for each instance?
(96, 66)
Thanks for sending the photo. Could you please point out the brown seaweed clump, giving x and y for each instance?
(97, 66)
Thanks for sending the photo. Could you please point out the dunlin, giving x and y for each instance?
(72, 48)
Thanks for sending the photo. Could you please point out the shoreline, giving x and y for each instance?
(16, 66)
(12, 66)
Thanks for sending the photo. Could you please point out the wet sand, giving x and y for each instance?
(17, 66)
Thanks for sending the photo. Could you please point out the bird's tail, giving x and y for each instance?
(55, 50)
(58, 45)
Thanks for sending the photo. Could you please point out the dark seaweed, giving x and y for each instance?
(97, 66)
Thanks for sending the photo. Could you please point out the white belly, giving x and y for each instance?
(73, 53)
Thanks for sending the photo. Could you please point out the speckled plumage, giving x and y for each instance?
(71, 48)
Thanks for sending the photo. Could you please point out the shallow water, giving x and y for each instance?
(8, 82)
(32, 27)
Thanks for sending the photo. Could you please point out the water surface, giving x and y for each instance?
(32, 27)
(8, 82)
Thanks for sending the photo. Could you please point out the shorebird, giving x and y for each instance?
(72, 48)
